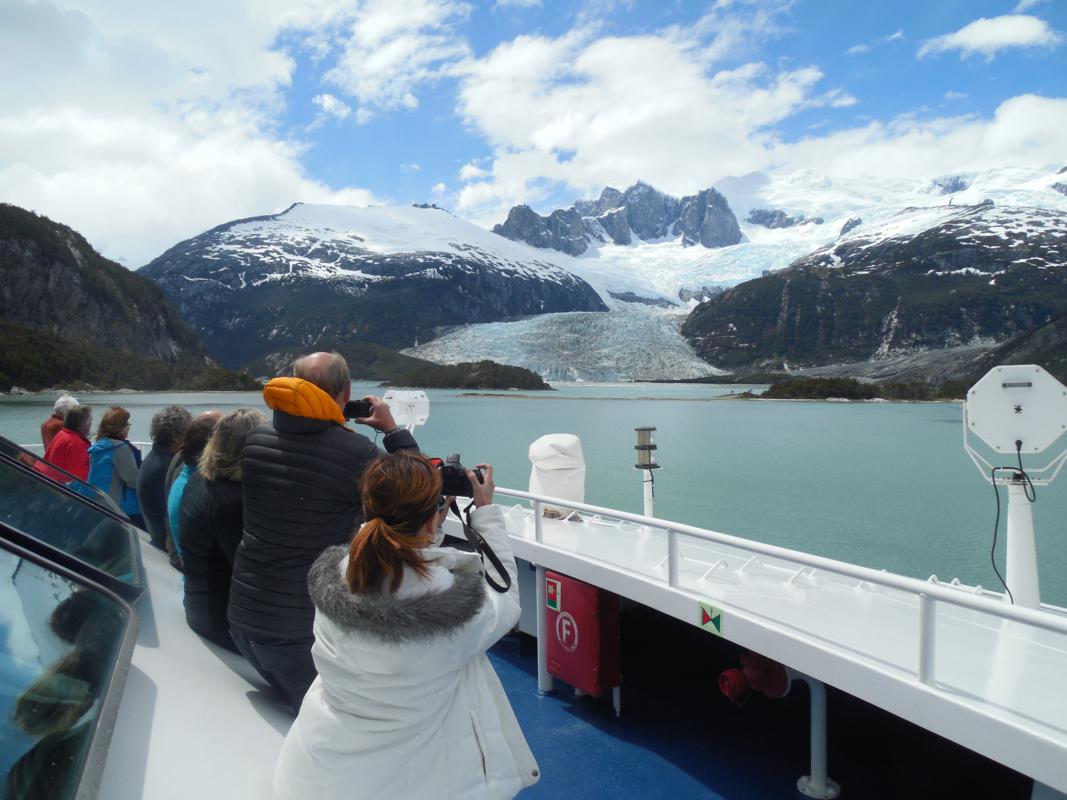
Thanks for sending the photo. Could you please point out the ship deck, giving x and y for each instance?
(196, 720)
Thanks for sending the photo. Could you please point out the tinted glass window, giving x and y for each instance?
(44, 511)
(35, 462)
(59, 644)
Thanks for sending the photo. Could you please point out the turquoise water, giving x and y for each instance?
(886, 485)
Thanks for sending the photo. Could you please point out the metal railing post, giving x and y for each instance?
(672, 558)
(927, 633)
(544, 679)
(539, 526)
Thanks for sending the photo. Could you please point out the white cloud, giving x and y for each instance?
(566, 116)
(390, 49)
(1023, 131)
(471, 171)
(866, 47)
(576, 113)
(1026, 5)
(332, 106)
(516, 3)
(439, 189)
(141, 124)
(138, 183)
(410, 169)
(950, 95)
(988, 36)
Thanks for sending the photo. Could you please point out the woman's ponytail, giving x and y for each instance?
(379, 554)
(400, 494)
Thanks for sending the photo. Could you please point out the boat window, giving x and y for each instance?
(33, 461)
(48, 513)
(64, 649)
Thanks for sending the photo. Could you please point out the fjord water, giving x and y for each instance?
(885, 485)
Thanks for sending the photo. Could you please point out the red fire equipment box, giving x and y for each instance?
(583, 634)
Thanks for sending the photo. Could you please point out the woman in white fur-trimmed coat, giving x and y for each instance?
(406, 704)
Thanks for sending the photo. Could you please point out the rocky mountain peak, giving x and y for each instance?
(641, 211)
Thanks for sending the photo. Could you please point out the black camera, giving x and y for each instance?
(454, 480)
(358, 409)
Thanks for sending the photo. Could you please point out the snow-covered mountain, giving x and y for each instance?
(401, 275)
(922, 279)
(641, 213)
(336, 273)
(782, 219)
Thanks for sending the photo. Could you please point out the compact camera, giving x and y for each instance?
(454, 480)
(358, 409)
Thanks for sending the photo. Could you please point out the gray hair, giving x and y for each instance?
(221, 459)
(332, 376)
(64, 404)
(169, 424)
(75, 417)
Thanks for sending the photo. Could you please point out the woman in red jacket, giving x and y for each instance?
(69, 449)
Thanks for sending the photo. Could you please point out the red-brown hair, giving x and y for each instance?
(113, 423)
(400, 494)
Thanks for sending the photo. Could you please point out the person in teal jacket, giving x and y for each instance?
(114, 463)
(193, 443)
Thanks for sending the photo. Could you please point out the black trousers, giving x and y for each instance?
(285, 664)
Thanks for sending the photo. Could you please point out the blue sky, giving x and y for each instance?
(143, 123)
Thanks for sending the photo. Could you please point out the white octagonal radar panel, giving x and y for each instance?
(409, 408)
(1017, 403)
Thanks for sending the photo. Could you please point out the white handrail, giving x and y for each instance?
(912, 586)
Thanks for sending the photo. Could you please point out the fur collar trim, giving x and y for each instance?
(391, 619)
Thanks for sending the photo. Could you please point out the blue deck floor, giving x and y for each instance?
(679, 738)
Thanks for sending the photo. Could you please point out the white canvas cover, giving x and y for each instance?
(558, 469)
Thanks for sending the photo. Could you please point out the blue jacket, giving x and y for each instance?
(174, 504)
(113, 468)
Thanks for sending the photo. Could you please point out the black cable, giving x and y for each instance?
(1028, 486)
(996, 526)
(652, 480)
(1031, 495)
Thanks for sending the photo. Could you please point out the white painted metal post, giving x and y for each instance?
(539, 531)
(544, 679)
(1022, 548)
(650, 498)
(817, 784)
(646, 462)
(672, 558)
(927, 638)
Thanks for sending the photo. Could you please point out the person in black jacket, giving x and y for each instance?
(168, 427)
(301, 490)
(212, 525)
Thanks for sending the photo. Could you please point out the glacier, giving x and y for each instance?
(624, 344)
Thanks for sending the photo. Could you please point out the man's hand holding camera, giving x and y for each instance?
(373, 412)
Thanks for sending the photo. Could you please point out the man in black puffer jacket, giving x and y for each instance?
(301, 489)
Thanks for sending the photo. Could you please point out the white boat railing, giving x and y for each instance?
(927, 594)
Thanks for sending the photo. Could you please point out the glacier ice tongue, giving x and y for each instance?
(620, 345)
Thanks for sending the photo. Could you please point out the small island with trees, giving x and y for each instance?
(471, 375)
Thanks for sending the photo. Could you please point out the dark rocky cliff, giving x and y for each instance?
(52, 280)
(71, 316)
(704, 218)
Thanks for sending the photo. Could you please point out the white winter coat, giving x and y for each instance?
(406, 704)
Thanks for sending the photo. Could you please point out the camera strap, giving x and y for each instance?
(482, 548)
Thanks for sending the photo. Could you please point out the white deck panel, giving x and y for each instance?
(997, 683)
(191, 723)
